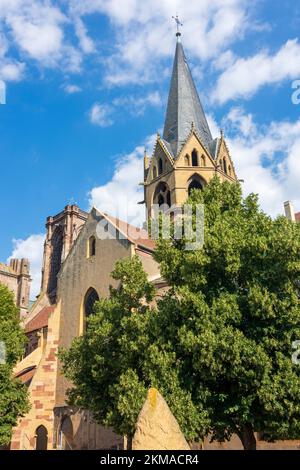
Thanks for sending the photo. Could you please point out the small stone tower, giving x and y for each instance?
(62, 231)
(186, 156)
(16, 277)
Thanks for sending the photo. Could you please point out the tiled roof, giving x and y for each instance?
(184, 106)
(138, 236)
(26, 375)
(40, 320)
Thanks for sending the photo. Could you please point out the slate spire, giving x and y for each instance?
(184, 105)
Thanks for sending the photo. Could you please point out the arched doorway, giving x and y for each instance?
(89, 300)
(41, 436)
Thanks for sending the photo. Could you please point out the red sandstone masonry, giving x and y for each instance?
(15, 445)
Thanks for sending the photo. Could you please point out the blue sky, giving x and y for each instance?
(87, 85)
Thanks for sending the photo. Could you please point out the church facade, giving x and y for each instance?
(80, 253)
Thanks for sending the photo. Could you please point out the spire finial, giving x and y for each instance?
(178, 25)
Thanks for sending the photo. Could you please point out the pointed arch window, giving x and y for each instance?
(91, 246)
(57, 244)
(89, 301)
(194, 158)
(160, 166)
(229, 170)
(162, 195)
(161, 200)
(154, 172)
(169, 198)
(187, 160)
(195, 182)
(225, 165)
(203, 160)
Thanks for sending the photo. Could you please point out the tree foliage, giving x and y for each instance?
(218, 344)
(118, 359)
(13, 395)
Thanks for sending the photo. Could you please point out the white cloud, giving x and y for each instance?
(266, 157)
(11, 71)
(103, 114)
(39, 35)
(86, 43)
(32, 249)
(137, 105)
(71, 89)
(100, 115)
(121, 195)
(37, 28)
(210, 26)
(245, 76)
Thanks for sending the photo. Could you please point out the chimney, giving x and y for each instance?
(289, 211)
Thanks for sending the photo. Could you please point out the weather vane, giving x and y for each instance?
(178, 24)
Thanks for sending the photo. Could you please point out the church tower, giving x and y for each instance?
(186, 156)
(62, 231)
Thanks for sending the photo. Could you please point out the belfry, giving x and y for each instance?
(186, 156)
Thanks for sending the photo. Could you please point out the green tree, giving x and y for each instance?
(13, 395)
(218, 345)
(238, 308)
(113, 365)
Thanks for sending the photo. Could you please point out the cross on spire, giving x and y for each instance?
(178, 25)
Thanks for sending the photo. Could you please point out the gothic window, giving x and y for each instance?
(160, 166)
(229, 170)
(187, 160)
(162, 195)
(169, 198)
(194, 158)
(55, 260)
(90, 298)
(41, 435)
(154, 172)
(161, 200)
(225, 165)
(195, 182)
(91, 246)
(203, 161)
